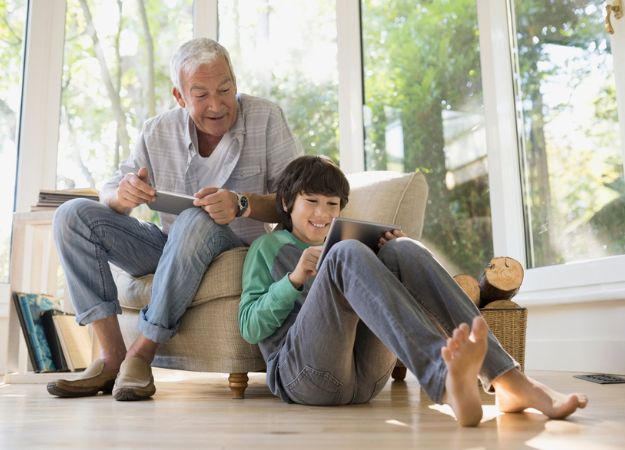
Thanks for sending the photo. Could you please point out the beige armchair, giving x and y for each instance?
(208, 339)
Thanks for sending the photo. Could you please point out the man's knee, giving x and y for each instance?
(72, 212)
(195, 231)
(193, 222)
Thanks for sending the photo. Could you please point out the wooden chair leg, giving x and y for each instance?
(399, 372)
(238, 384)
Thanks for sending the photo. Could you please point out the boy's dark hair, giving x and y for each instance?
(309, 175)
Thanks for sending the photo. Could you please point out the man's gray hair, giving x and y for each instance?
(193, 54)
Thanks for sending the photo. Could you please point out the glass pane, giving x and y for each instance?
(12, 29)
(286, 52)
(574, 191)
(424, 112)
(115, 76)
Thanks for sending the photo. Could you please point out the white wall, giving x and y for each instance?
(583, 337)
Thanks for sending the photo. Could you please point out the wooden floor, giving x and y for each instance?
(192, 410)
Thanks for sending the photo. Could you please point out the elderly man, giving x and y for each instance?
(224, 148)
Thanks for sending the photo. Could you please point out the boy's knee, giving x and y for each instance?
(351, 247)
(405, 246)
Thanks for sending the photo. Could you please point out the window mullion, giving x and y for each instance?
(501, 133)
(205, 19)
(41, 100)
(351, 139)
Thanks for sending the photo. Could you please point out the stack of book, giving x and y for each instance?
(54, 198)
(55, 342)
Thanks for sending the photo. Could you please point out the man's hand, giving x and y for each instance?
(222, 205)
(132, 191)
(306, 266)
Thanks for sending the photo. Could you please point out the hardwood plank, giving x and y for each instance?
(195, 410)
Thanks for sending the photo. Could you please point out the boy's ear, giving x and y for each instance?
(284, 208)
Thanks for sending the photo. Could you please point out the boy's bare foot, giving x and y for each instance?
(515, 392)
(464, 355)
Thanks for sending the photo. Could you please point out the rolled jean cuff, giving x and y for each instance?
(487, 382)
(155, 333)
(98, 312)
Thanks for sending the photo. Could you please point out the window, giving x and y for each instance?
(286, 51)
(12, 30)
(424, 112)
(574, 190)
(115, 76)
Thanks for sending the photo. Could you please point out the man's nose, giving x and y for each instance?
(213, 103)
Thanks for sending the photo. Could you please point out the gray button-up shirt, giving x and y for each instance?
(261, 146)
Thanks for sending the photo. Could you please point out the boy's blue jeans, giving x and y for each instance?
(364, 309)
(89, 235)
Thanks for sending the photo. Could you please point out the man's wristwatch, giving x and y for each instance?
(243, 202)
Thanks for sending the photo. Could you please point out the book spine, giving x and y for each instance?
(20, 315)
(36, 335)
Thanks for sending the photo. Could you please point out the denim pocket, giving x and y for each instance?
(379, 385)
(315, 387)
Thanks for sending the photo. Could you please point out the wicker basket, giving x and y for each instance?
(508, 322)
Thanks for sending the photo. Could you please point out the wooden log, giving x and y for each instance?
(470, 286)
(500, 280)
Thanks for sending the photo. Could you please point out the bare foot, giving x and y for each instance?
(464, 355)
(515, 392)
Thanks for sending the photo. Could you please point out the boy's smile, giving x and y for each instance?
(312, 215)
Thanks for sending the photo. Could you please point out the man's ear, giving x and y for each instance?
(284, 208)
(178, 96)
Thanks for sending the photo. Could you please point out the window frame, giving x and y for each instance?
(595, 280)
(592, 280)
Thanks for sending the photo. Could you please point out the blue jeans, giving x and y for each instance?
(364, 309)
(89, 235)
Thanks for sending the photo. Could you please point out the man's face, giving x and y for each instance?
(209, 95)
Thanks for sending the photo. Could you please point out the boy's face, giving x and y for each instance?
(312, 215)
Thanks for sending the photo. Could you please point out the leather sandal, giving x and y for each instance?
(92, 381)
(134, 381)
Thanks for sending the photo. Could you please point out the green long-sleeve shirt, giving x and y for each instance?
(269, 302)
(268, 296)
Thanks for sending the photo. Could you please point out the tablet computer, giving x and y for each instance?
(172, 203)
(369, 233)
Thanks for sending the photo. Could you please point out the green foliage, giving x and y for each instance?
(95, 134)
(12, 21)
(312, 113)
(421, 59)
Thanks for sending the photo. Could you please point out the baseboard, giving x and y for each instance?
(602, 356)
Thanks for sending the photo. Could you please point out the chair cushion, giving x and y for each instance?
(388, 197)
(223, 279)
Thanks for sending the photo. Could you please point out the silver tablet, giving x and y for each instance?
(369, 233)
(172, 203)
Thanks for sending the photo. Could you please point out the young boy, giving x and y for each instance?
(331, 338)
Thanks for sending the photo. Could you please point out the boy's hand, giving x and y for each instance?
(389, 236)
(305, 268)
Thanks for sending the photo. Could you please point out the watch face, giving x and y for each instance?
(243, 204)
